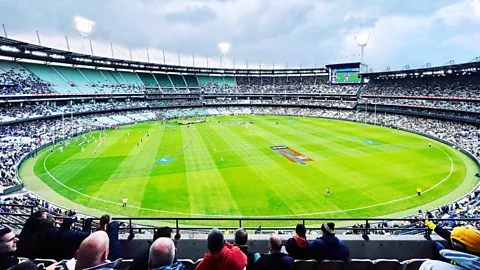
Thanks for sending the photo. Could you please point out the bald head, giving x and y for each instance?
(275, 243)
(93, 250)
(162, 253)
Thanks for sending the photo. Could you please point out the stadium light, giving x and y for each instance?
(224, 49)
(362, 39)
(84, 28)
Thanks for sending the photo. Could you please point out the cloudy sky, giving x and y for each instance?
(271, 31)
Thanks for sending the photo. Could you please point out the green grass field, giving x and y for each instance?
(371, 171)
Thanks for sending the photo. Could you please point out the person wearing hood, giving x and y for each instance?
(465, 239)
(162, 255)
(328, 247)
(222, 254)
(241, 238)
(297, 246)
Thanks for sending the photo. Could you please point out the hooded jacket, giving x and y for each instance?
(231, 258)
(329, 248)
(297, 248)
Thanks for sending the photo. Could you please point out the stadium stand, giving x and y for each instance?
(443, 107)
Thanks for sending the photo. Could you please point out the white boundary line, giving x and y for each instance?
(292, 215)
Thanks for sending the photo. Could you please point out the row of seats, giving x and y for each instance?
(354, 264)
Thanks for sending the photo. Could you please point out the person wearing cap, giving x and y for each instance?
(328, 247)
(465, 239)
(297, 246)
(8, 245)
(222, 254)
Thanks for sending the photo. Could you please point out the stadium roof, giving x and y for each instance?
(469, 67)
(23, 50)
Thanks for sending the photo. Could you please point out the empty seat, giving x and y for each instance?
(412, 264)
(332, 265)
(306, 264)
(360, 264)
(386, 264)
(189, 264)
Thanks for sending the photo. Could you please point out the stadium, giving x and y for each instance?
(390, 158)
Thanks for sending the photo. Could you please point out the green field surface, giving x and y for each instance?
(371, 171)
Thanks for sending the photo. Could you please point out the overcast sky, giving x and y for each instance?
(282, 31)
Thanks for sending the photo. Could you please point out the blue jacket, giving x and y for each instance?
(329, 248)
(176, 266)
(275, 261)
(115, 250)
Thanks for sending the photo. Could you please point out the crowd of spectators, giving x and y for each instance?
(12, 112)
(448, 86)
(427, 103)
(276, 101)
(13, 82)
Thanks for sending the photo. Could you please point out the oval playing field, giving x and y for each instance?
(252, 166)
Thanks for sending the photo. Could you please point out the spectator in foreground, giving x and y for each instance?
(141, 259)
(297, 246)
(458, 260)
(222, 254)
(275, 259)
(464, 239)
(162, 255)
(111, 228)
(93, 254)
(241, 238)
(328, 247)
(8, 245)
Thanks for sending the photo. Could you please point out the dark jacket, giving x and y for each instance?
(250, 256)
(115, 251)
(7, 260)
(297, 248)
(69, 241)
(328, 248)
(25, 237)
(275, 261)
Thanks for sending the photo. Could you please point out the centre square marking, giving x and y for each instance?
(291, 154)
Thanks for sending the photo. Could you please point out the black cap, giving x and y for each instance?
(4, 231)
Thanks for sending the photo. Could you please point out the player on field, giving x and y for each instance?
(419, 191)
(346, 77)
(327, 192)
(83, 149)
(429, 144)
(124, 201)
(94, 152)
(221, 159)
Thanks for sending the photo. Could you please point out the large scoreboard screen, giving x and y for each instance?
(345, 75)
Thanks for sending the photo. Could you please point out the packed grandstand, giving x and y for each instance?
(42, 103)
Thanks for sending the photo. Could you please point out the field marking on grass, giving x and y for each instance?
(120, 177)
(212, 215)
(211, 145)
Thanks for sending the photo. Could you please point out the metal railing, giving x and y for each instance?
(179, 225)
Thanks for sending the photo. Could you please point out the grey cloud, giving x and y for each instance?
(192, 15)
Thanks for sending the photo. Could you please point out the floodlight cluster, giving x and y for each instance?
(362, 38)
(84, 26)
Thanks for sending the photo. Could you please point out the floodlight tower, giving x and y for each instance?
(362, 39)
(84, 28)
(224, 49)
